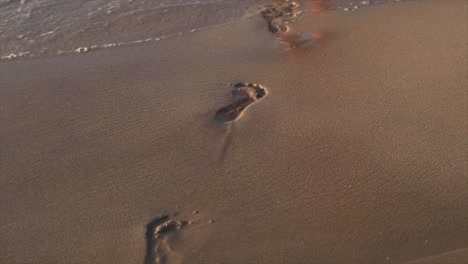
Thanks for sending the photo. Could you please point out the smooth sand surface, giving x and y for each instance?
(356, 155)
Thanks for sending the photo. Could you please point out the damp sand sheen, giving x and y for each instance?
(342, 136)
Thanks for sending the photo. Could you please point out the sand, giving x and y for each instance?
(357, 154)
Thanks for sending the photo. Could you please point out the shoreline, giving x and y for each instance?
(52, 40)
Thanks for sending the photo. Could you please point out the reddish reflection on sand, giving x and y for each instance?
(316, 6)
(295, 44)
(294, 41)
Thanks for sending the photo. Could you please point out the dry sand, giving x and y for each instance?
(356, 155)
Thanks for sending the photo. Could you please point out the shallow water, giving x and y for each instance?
(36, 28)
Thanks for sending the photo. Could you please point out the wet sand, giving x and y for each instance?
(357, 154)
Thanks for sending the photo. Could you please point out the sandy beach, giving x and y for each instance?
(355, 154)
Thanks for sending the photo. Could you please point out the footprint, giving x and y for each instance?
(280, 13)
(244, 94)
(157, 232)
